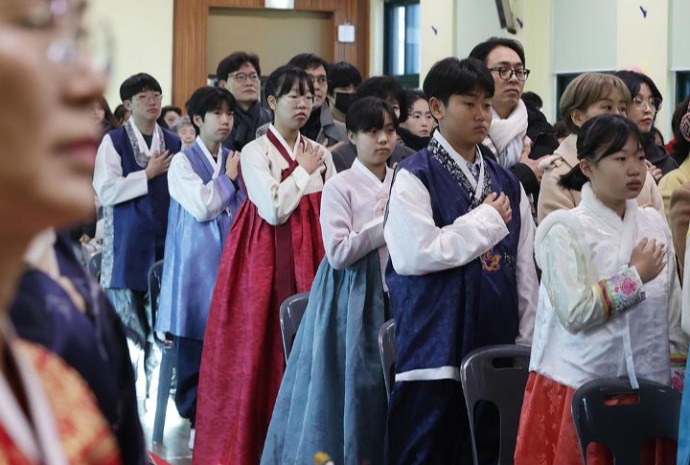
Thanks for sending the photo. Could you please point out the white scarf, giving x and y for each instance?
(506, 135)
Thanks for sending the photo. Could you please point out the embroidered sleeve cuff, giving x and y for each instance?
(620, 292)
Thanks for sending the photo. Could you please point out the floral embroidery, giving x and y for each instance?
(444, 158)
(494, 260)
(491, 261)
(619, 292)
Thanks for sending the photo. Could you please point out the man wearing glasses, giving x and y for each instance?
(512, 120)
(321, 126)
(240, 73)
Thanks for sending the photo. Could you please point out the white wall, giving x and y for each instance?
(143, 33)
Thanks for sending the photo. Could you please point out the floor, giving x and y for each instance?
(174, 448)
(175, 436)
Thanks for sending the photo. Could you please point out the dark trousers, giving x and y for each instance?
(188, 364)
(428, 424)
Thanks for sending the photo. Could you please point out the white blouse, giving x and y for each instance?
(262, 165)
(203, 201)
(353, 205)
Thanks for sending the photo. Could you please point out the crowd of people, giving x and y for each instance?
(457, 210)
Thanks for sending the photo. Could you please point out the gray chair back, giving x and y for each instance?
(651, 412)
(496, 374)
(388, 354)
(291, 313)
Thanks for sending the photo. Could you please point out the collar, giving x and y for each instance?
(215, 163)
(143, 147)
(292, 151)
(595, 206)
(39, 438)
(568, 150)
(457, 158)
(357, 165)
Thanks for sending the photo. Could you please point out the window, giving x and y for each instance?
(401, 39)
(682, 85)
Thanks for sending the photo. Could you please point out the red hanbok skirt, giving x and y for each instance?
(547, 433)
(242, 363)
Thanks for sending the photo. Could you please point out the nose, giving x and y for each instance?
(81, 84)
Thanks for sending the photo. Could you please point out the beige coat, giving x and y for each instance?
(553, 197)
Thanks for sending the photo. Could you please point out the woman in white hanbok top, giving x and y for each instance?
(609, 301)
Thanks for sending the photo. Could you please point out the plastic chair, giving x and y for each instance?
(497, 374)
(291, 313)
(624, 427)
(93, 264)
(169, 358)
(388, 354)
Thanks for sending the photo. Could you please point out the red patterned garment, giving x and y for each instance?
(83, 434)
(242, 363)
(547, 433)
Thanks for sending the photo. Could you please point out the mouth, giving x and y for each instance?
(480, 129)
(513, 91)
(647, 121)
(82, 152)
(634, 185)
(301, 115)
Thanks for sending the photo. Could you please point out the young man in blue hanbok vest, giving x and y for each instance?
(130, 182)
(461, 275)
(204, 198)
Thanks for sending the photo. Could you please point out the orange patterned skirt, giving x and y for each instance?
(547, 435)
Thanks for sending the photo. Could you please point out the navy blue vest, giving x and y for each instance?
(442, 316)
(139, 224)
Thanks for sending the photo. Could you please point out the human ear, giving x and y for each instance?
(578, 118)
(351, 136)
(128, 105)
(272, 102)
(586, 167)
(436, 107)
(198, 120)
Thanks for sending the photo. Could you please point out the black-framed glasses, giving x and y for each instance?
(653, 102)
(506, 73)
(242, 77)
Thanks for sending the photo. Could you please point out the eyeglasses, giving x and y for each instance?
(81, 35)
(506, 73)
(653, 103)
(146, 98)
(242, 77)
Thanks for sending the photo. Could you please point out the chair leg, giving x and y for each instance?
(165, 376)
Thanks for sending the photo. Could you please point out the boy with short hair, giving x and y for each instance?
(462, 274)
(204, 198)
(130, 182)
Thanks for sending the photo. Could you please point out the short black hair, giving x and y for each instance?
(206, 99)
(343, 74)
(234, 61)
(137, 83)
(533, 99)
(600, 137)
(368, 113)
(481, 51)
(306, 61)
(561, 129)
(281, 80)
(634, 80)
(386, 88)
(451, 76)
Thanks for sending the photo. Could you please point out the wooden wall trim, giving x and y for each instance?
(190, 36)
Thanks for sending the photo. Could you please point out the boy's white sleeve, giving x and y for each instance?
(203, 201)
(111, 186)
(527, 281)
(417, 246)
